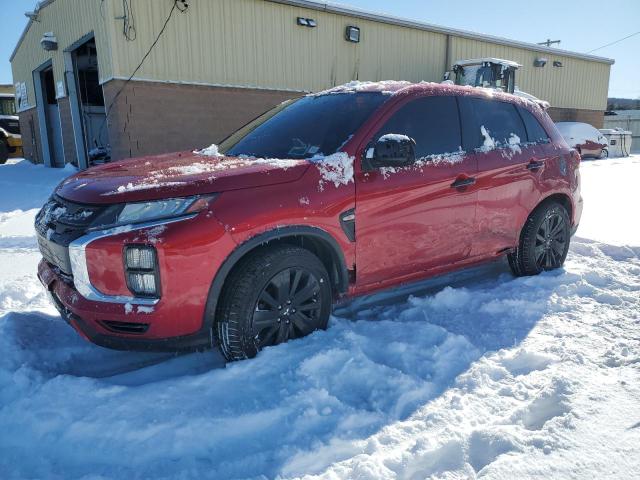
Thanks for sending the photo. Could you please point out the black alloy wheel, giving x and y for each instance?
(287, 307)
(550, 242)
(274, 295)
(544, 241)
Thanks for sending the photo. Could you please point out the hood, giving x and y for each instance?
(175, 175)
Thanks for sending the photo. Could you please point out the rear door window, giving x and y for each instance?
(433, 122)
(535, 132)
(499, 120)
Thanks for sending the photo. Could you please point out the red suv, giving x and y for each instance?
(337, 194)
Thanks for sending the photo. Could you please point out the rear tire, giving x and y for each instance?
(4, 151)
(544, 241)
(274, 295)
(604, 153)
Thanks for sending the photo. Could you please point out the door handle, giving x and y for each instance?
(535, 165)
(463, 182)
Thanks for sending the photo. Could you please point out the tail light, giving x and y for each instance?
(575, 156)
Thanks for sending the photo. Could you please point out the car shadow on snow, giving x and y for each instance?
(49, 345)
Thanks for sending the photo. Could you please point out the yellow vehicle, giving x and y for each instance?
(10, 138)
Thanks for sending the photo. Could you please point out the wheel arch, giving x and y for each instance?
(559, 197)
(317, 241)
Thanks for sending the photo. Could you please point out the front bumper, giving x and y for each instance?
(83, 316)
(96, 300)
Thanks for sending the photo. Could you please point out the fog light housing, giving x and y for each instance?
(140, 258)
(141, 271)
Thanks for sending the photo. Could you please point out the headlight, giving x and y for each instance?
(148, 211)
(144, 212)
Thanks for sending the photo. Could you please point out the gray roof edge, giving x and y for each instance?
(390, 19)
(24, 34)
(39, 6)
(378, 17)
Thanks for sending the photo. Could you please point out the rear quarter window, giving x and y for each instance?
(535, 131)
(500, 119)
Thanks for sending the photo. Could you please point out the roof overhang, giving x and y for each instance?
(392, 20)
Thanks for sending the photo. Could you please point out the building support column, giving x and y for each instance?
(76, 119)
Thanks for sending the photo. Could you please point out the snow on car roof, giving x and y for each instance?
(392, 87)
(385, 86)
(571, 127)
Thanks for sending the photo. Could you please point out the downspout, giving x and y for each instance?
(447, 54)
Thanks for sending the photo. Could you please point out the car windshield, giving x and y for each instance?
(312, 126)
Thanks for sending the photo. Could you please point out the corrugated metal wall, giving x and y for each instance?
(578, 84)
(256, 43)
(69, 20)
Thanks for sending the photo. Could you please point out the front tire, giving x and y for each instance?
(4, 151)
(274, 295)
(544, 241)
(604, 153)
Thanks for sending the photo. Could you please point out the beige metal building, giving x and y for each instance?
(220, 63)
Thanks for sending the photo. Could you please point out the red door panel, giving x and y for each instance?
(413, 220)
(509, 169)
(508, 184)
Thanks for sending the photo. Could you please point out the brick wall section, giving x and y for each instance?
(30, 135)
(592, 117)
(68, 138)
(150, 118)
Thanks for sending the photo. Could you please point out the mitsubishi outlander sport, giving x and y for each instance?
(337, 194)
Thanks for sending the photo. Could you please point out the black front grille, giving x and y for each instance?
(59, 223)
(54, 254)
(125, 327)
(65, 221)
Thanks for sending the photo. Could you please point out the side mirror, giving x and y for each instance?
(392, 150)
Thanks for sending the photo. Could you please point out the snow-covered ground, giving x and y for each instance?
(491, 376)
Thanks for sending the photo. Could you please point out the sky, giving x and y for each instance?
(581, 25)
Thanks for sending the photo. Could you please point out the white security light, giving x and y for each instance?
(353, 34)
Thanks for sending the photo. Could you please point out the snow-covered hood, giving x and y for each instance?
(175, 175)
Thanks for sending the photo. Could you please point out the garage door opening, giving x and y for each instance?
(49, 117)
(89, 100)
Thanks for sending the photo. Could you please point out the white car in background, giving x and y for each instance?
(588, 140)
